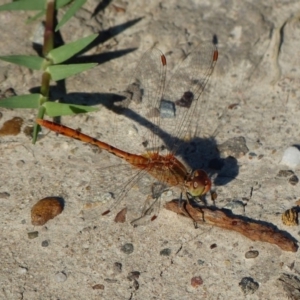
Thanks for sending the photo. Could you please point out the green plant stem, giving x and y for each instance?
(46, 77)
(49, 34)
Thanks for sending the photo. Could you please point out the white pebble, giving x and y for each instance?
(291, 157)
(60, 277)
(22, 270)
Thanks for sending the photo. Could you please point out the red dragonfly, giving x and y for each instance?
(165, 111)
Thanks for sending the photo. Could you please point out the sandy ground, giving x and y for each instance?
(253, 93)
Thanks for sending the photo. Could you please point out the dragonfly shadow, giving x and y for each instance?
(202, 153)
(197, 153)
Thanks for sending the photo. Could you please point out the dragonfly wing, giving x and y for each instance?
(152, 204)
(149, 83)
(110, 189)
(149, 213)
(121, 185)
(184, 91)
(166, 111)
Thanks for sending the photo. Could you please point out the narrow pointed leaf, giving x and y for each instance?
(31, 5)
(64, 52)
(36, 127)
(24, 5)
(31, 62)
(70, 13)
(63, 71)
(55, 109)
(23, 101)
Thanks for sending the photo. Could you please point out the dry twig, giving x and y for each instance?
(254, 230)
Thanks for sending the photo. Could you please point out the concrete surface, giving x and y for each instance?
(80, 254)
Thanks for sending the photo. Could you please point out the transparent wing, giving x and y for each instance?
(184, 92)
(112, 188)
(147, 86)
(165, 112)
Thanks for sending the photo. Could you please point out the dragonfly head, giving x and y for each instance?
(198, 183)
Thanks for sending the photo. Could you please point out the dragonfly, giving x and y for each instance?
(166, 110)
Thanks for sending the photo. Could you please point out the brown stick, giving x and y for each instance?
(254, 230)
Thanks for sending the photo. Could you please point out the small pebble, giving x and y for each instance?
(98, 287)
(109, 280)
(293, 180)
(291, 157)
(60, 277)
(45, 243)
(22, 270)
(121, 216)
(127, 248)
(133, 275)
(117, 267)
(167, 109)
(200, 262)
(248, 285)
(45, 210)
(165, 252)
(196, 281)
(11, 127)
(251, 254)
(33, 235)
(186, 100)
(213, 246)
(235, 147)
(251, 155)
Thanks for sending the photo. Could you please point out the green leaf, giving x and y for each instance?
(70, 13)
(31, 62)
(55, 109)
(64, 52)
(60, 72)
(23, 101)
(24, 5)
(31, 5)
(36, 127)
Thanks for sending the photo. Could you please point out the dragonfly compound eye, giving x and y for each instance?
(199, 183)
